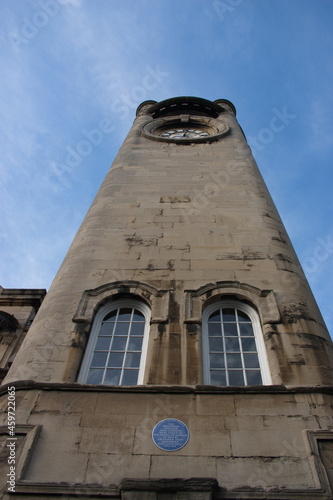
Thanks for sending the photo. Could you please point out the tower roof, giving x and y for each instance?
(185, 104)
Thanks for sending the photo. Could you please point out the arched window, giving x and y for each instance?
(233, 347)
(116, 350)
(8, 323)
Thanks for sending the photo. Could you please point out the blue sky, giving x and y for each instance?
(67, 66)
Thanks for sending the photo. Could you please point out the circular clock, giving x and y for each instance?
(183, 133)
(191, 130)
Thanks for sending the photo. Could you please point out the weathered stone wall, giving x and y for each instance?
(180, 217)
(252, 439)
(18, 309)
(178, 226)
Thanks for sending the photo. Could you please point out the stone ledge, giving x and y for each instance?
(21, 297)
(77, 490)
(166, 485)
(166, 389)
(137, 489)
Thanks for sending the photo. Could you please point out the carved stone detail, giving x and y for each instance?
(263, 300)
(91, 300)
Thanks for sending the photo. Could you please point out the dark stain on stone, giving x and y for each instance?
(295, 312)
(161, 329)
(138, 240)
(192, 329)
(279, 239)
(174, 312)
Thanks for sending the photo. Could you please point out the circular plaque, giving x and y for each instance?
(170, 434)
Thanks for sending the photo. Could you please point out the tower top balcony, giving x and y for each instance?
(186, 104)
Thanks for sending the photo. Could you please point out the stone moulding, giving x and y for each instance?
(31, 434)
(23, 385)
(66, 490)
(218, 129)
(313, 440)
(91, 300)
(263, 300)
(22, 297)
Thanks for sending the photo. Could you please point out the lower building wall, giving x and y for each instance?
(259, 440)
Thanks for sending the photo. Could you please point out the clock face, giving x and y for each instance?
(183, 133)
(184, 129)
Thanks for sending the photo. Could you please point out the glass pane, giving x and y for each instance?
(215, 316)
(135, 344)
(236, 377)
(228, 314)
(130, 377)
(119, 343)
(242, 316)
(116, 360)
(103, 344)
(215, 344)
(133, 359)
(216, 360)
(234, 361)
(217, 377)
(232, 344)
(138, 316)
(246, 329)
(106, 329)
(137, 328)
(99, 359)
(111, 316)
(230, 329)
(248, 344)
(251, 360)
(112, 377)
(253, 377)
(95, 376)
(214, 329)
(121, 329)
(125, 314)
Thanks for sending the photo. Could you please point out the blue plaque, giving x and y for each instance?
(170, 434)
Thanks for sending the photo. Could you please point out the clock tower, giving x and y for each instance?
(179, 353)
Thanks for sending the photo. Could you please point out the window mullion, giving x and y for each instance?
(241, 347)
(110, 347)
(126, 347)
(224, 350)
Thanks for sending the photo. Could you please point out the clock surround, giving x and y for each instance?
(185, 129)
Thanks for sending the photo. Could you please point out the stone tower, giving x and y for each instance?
(179, 353)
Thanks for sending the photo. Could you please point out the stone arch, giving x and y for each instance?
(8, 323)
(92, 300)
(263, 300)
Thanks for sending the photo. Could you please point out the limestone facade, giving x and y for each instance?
(178, 225)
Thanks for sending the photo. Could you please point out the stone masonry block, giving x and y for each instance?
(54, 466)
(235, 423)
(113, 440)
(182, 466)
(106, 468)
(215, 404)
(270, 404)
(267, 443)
(66, 402)
(265, 473)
